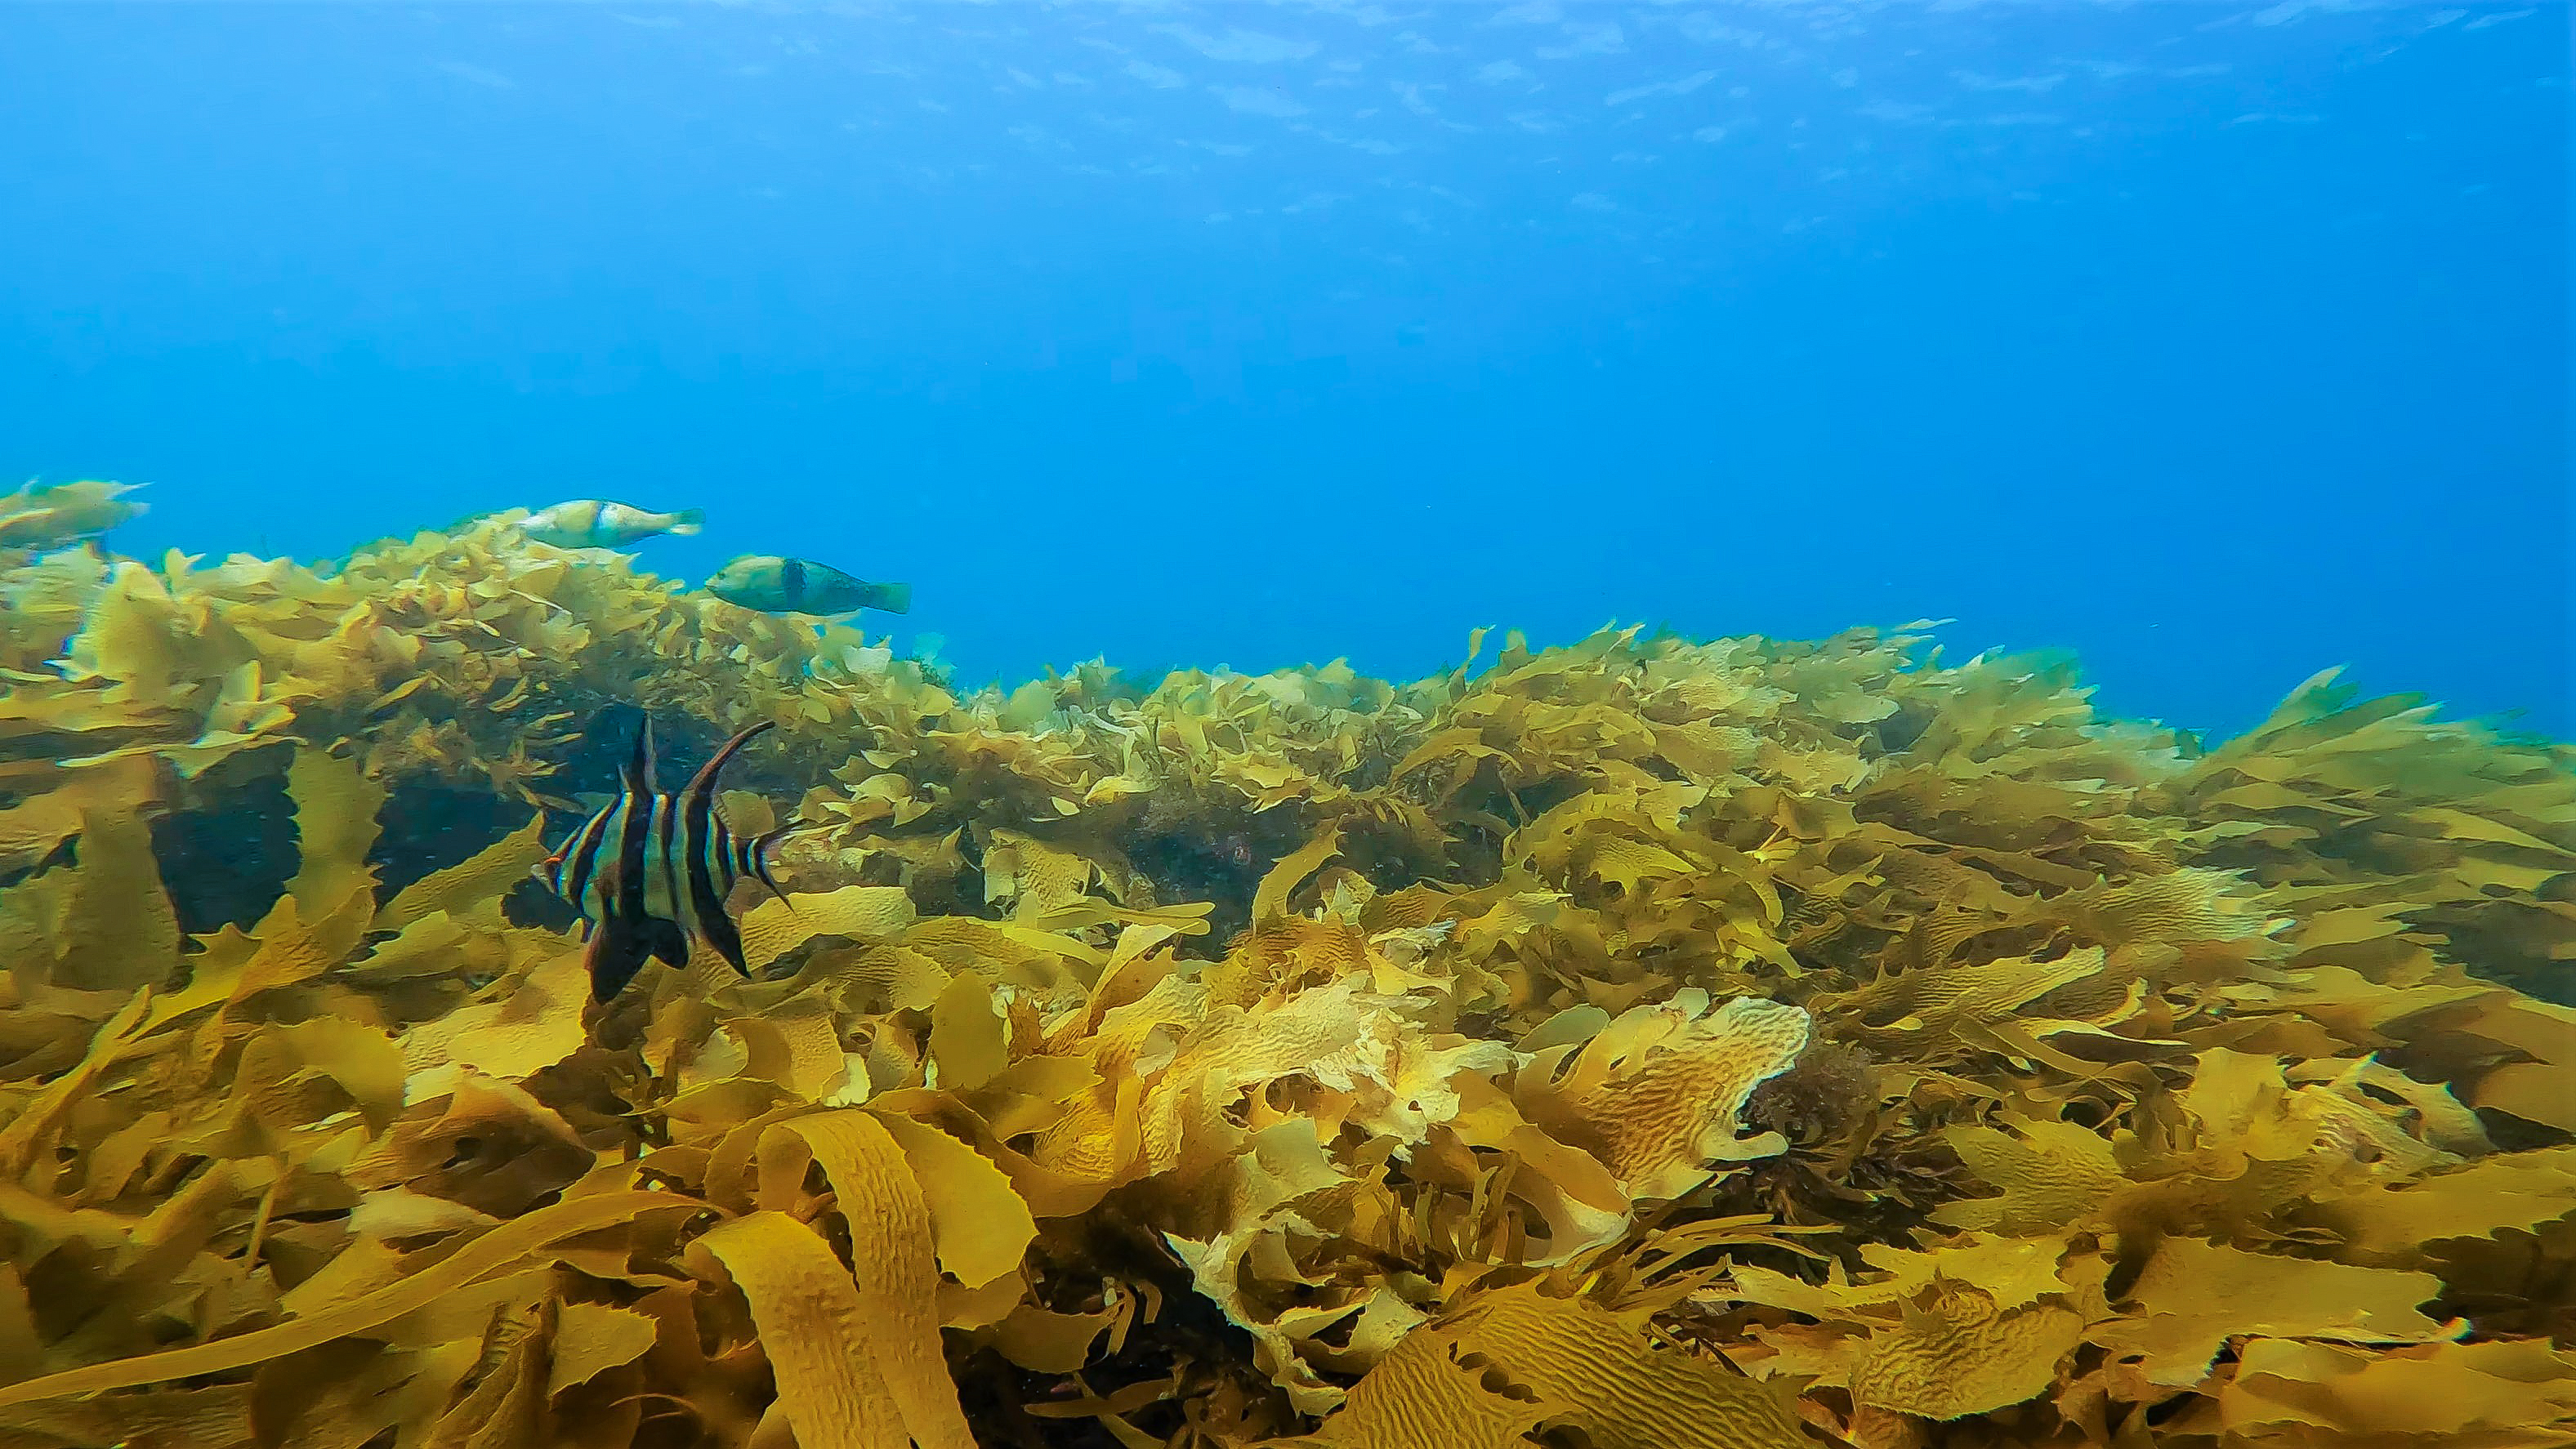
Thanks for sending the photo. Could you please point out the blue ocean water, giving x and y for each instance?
(2216, 342)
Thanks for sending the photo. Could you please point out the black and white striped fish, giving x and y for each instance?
(651, 870)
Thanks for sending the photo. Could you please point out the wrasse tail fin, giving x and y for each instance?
(687, 522)
(889, 598)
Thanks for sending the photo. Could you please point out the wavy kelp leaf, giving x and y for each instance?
(436, 945)
(810, 1314)
(1420, 1395)
(209, 1418)
(21, 1342)
(335, 827)
(2194, 1296)
(293, 1075)
(1285, 1167)
(2054, 1175)
(796, 1044)
(1230, 1050)
(33, 828)
(41, 1116)
(485, 1143)
(236, 969)
(1962, 1329)
(891, 1248)
(488, 874)
(1188, 918)
(969, 1041)
(493, 1250)
(1401, 1082)
(2179, 907)
(1579, 1205)
(1958, 1353)
(1659, 1092)
(1270, 899)
(1617, 1388)
(2232, 1151)
(103, 924)
(1058, 1343)
(517, 1032)
(2534, 1089)
(1033, 876)
(2013, 1272)
(880, 978)
(1940, 1000)
(135, 639)
(506, 1409)
(2514, 1190)
(862, 913)
(979, 1225)
(2320, 1394)
(343, 1395)
(398, 1212)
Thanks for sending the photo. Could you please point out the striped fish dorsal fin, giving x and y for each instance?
(696, 810)
(642, 781)
(702, 785)
(635, 825)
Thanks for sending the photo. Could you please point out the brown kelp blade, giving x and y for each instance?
(1653, 1041)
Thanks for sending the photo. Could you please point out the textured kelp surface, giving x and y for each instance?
(1644, 1043)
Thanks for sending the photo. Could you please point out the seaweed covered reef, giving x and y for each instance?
(1642, 1043)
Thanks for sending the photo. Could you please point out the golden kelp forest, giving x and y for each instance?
(1644, 1044)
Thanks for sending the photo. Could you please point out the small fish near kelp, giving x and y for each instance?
(49, 515)
(594, 523)
(651, 871)
(773, 585)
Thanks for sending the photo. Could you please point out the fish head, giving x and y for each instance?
(741, 573)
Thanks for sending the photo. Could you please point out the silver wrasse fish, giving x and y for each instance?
(592, 523)
(774, 585)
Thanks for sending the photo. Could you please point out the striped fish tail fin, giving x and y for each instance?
(756, 855)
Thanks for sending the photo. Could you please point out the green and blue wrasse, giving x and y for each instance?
(590, 523)
(774, 585)
(49, 515)
(651, 871)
